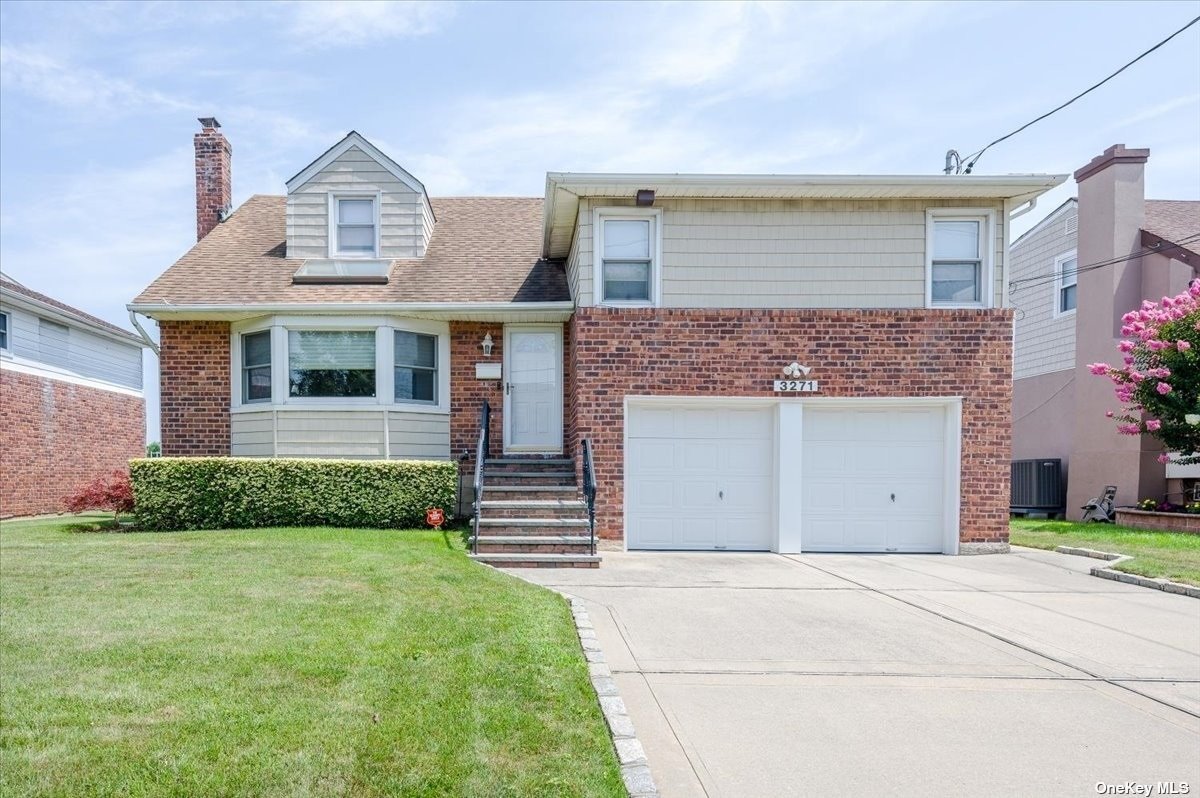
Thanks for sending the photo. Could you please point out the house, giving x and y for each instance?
(71, 404)
(1074, 275)
(757, 362)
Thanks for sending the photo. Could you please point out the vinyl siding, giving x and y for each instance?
(787, 253)
(1044, 342)
(405, 218)
(341, 434)
(80, 352)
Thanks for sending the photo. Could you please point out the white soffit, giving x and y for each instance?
(564, 190)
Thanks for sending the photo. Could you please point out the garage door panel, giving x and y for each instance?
(697, 423)
(651, 422)
(702, 456)
(822, 457)
(744, 533)
(823, 495)
(653, 531)
(699, 494)
(747, 495)
(654, 456)
(747, 458)
(653, 494)
(742, 424)
(696, 533)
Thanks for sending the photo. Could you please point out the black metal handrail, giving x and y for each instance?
(589, 489)
(482, 448)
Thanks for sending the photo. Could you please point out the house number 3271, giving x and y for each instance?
(803, 386)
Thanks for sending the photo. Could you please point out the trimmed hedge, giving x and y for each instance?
(240, 492)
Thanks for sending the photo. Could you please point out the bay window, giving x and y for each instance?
(331, 363)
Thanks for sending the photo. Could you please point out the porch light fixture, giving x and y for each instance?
(645, 197)
(487, 345)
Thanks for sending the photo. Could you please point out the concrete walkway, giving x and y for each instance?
(1018, 674)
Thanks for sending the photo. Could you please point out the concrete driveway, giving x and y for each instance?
(1018, 674)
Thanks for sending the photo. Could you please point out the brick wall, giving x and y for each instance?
(59, 436)
(856, 353)
(195, 387)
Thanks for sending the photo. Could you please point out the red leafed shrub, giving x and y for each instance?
(111, 492)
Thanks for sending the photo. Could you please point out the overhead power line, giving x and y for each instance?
(972, 159)
(1046, 279)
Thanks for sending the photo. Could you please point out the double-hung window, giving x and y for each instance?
(356, 230)
(4, 332)
(416, 367)
(626, 273)
(331, 363)
(1066, 267)
(958, 260)
(256, 367)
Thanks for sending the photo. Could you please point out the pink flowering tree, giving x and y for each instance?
(1158, 381)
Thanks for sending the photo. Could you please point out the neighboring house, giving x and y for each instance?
(655, 316)
(71, 405)
(1074, 275)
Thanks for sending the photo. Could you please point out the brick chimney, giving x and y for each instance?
(214, 183)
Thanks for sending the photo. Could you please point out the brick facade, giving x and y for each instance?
(856, 353)
(194, 384)
(58, 437)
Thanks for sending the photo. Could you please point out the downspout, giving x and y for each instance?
(137, 325)
(1009, 215)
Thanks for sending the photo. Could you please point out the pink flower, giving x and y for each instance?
(1182, 345)
(1129, 429)
(1153, 425)
(1164, 458)
(1108, 414)
(1125, 346)
(1163, 388)
(1155, 345)
(1098, 368)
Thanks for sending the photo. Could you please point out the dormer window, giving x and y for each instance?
(356, 223)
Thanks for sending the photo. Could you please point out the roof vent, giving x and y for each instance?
(1072, 225)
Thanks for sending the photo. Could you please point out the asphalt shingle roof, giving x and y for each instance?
(483, 249)
(1173, 220)
(13, 288)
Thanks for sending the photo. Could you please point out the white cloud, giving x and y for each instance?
(340, 23)
(55, 81)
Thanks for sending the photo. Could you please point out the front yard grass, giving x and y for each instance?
(1170, 555)
(285, 662)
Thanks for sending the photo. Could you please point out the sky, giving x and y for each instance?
(98, 104)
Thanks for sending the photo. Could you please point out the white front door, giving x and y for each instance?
(533, 389)
(699, 477)
(873, 479)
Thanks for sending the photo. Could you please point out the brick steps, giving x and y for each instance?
(531, 516)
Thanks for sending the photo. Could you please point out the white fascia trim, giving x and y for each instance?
(1023, 182)
(354, 139)
(69, 319)
(22, 366)
(390, 308)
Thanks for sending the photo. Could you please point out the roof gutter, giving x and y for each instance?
(149, 308)
(137, 325)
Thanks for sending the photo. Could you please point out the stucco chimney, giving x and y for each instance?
(214, 186)
(1112, 210)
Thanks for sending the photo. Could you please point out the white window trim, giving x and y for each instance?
(334, 196)
(384, 328)
(1058, 283)
(987, 256)
(599, 216)
(240, 375)
(8, 333)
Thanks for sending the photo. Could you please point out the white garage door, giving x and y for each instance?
(699, 478)
(874, 479)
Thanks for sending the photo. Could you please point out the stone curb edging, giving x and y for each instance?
(1107, 572)
(635, 770)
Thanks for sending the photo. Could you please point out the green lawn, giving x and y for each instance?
(285, 662)
(1173, 555)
